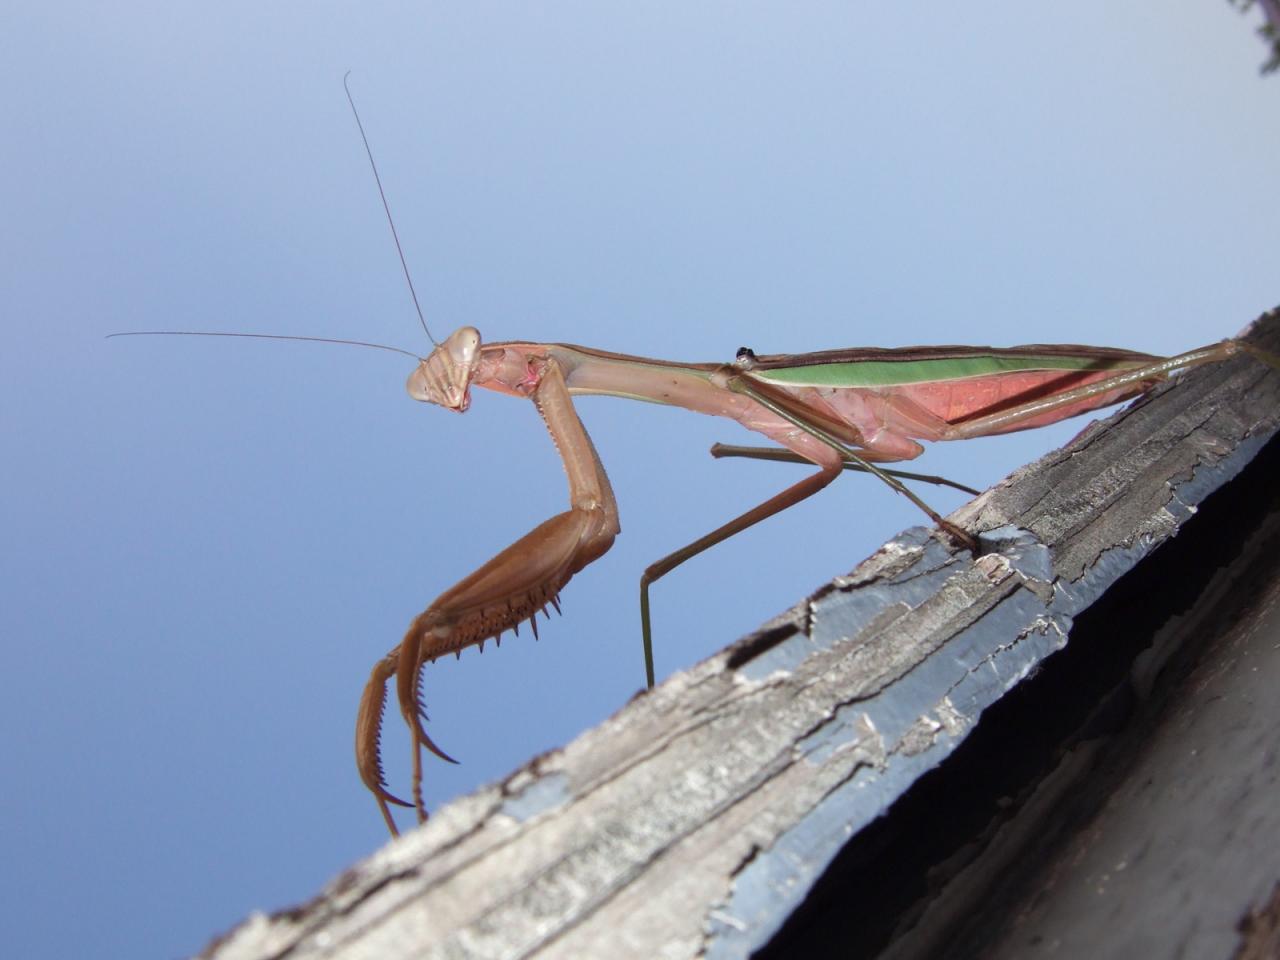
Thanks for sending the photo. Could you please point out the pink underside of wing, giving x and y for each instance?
(889, 420)
(962, 400)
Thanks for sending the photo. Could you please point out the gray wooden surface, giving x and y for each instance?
(695, 820)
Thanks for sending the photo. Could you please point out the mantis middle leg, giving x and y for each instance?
(787, 498)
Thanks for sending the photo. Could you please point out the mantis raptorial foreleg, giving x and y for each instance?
(369, 735)
(513, 586)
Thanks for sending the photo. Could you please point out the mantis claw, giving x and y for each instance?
(392, 798)
(369, 727)
(430, 745)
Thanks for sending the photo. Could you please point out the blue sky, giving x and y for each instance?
(208, 543)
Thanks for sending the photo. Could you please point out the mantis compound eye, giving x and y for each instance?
(463, 346)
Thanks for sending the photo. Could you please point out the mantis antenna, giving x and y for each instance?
(351, 343)
(387, 207)
(259, 336)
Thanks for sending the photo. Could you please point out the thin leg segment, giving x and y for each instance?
(787, 498)
(781, 455)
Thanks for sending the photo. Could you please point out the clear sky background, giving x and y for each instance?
(208, 543)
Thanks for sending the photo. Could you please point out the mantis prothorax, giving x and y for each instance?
(837, 409)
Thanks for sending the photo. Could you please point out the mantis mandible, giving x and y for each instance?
(836, 410)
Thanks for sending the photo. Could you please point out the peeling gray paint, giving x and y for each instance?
(1024, 553)
(840, 616)
(545, 793)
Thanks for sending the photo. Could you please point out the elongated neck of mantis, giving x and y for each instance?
(699, 387)
(596, 372)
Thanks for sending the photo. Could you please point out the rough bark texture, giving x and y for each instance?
(866, 770)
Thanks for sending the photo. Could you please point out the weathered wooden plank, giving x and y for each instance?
(695, 820)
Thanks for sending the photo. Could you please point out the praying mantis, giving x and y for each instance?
(833, 409)
(836, 410)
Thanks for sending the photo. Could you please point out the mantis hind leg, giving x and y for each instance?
(782, 455)
(787, 498)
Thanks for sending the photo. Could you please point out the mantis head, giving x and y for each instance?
(444, 378)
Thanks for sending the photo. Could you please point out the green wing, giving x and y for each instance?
(871, 367)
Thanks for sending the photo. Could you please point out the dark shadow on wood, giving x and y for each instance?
(1084, 703)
